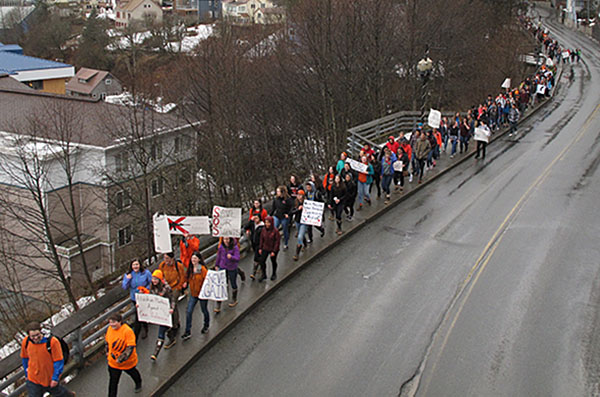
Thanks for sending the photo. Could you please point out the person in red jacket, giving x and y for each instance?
(257, 208)
(268, 248)
(187, 246)
(392, 145)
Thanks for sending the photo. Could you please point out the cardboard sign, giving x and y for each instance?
(226, 222)
(482, 133)
(358, 166)
(541, 89)
(153, 309)
(506, 84)
(162, 237)
(434, 119)
(215, 286)
(188, 224)
(312, 213)
(398, 165)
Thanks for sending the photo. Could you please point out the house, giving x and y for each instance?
(105, 182)
(93, 83)
(205, 10)
(138, 11)
(14, 15)
(251, 11)
(40, 74)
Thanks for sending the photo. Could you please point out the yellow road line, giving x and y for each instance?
(494, 242)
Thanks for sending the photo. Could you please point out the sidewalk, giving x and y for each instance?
(171, 364)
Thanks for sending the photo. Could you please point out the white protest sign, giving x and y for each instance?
(214, 287)
(482, 133)
(153, 309)
(506, 84)
(226, 222)
(189, 224)
(434, 119)
(549, 62)
(541, 89)
(398, 165)
(358, 166)
(565, 54)
(162, 237)
(312, 213)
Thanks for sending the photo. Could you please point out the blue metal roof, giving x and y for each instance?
(16, 63)
(14, 48)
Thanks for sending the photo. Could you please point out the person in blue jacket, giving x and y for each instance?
(387, 172)
(137, 277)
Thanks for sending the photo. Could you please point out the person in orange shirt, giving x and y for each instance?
(43, 363)
(196, 276)
(121, 354)
(187, 246)
(175, 276)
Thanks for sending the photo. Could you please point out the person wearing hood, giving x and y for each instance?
(297, 217)
(392, 144)
(253, 231)
(282, 206)
(137, 277)
(313, 194)
(268, 248)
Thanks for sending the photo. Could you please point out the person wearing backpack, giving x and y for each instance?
(121, 354)
(43, 363)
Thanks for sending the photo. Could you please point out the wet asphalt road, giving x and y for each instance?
(485, 283)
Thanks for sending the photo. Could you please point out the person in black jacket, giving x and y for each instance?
(282, 207)
(314, 194)
(253, 230)
(337, 201)
(351, 193)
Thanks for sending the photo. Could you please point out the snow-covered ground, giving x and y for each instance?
(125, 99)
(193, 36)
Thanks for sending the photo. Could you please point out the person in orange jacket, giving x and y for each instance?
(121, 354)
(196, 276)
(175, 276)
(187, 246)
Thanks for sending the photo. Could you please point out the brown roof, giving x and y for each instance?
(92, 78)
(9, 83)
(98, 123)
(130, 5)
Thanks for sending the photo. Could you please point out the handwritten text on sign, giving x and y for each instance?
(215, 286)
(358, 166)
(153, 309)
(482, 133)
(226, 222)
(312, 213)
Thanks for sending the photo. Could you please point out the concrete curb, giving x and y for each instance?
(163, 386)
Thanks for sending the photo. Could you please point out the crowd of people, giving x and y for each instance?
(343, 189)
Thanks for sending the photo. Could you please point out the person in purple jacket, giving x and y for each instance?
(136, 277)
(228, 258)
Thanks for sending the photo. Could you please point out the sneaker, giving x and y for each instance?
(285, 246)
(410, 178)
(295, 257)
(350, 218)
(368, 201)
(217, 310)
(274, 277)
(138, 388)
(204, 329)
(510, 134)
(170, 343)
(339, 232)
(153, 357)
(186, 336)
(233, 304)
(359, 207)
(322, 232)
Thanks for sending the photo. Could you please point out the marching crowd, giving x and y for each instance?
(343, 190)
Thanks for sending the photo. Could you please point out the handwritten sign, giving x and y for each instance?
(506, 84)
(482, 133)
(215, 286)
(189, 224)
(358, 166)
(398, 165)
(434, 119)
(541, 89)
(153, 309)
(226, 222)
(162, 237)
(312, 213)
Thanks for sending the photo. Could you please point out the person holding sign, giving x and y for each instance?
(159, 287)
(196, 276)
(268, 248)
(296, 217)
(312, 193)
(228, 258)
(121, 354)
(481, 143)
(387, 172)
(137, 277)
(174, 274)
(364, 182)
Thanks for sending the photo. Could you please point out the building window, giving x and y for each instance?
(118, 15)
(121, 162)
(125, 237)
(184, 177)
(242, 8)
(123, 199)
(182, 143)
(108, 81)
(157, 187)
(103, 96)
(156, 151)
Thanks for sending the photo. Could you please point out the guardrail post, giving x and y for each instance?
(79, 348)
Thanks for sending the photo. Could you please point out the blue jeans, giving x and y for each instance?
(232, 277)
(35, 390)
(385, 183)
(190, 312)
(302, 229)
(454, 141)
(162, 330)
(285, 225)
(363, 191)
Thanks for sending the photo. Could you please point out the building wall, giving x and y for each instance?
(55, 86)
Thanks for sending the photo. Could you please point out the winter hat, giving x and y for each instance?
(158, 274)
(301, 192)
